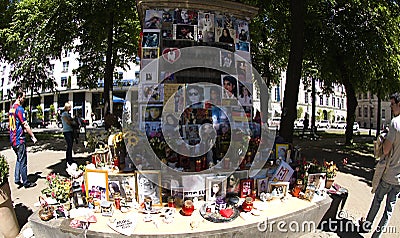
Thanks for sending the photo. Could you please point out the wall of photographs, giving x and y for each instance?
(165, 31)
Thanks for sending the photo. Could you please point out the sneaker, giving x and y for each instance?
(30, 185)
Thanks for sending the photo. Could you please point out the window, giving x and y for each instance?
(327, 101)
(365, 112)
(277, 94)
(338, 102)
(65, 67)
(333, 101)
(321, 100)
(343, 103)
(359, 112)
(4, 70)
(306, 98)
(120, 75)
(2, 82)
(371, 112)
(383, 114)
(51, 69)
(63, 81)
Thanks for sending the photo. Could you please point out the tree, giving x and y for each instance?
(108, 32)
(355, 43)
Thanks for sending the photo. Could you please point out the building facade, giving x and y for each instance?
(87, 103)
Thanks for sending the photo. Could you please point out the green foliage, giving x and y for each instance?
(4, 169)
(39, 113)
(300, 111)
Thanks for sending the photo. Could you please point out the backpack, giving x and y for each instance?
(378, 145)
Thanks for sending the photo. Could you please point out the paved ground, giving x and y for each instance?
(48, 156)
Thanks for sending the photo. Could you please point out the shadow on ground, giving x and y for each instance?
(59, 168)
(22, 212)
(360, 160)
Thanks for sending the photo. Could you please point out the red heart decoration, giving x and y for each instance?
(226, 212)
(171, 54)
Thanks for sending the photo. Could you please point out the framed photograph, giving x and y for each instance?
(151, 38)
(96, 182)
(280, 150)
(318, 180)
(309, 193)
(233, 184)
(185, 32)
(246, 187)
(151, 92)
(153, 19)
(226, 59)
(148, 185)
(229, 82)
(175, 93)
(215, 187)
(279, 189)
(283, 173)
(194, 186)
(178, 195)
(262, 186)
(125, 184)
(149, 53)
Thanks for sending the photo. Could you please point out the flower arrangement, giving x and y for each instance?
(58, 187)
(4, 169)
(331, 169)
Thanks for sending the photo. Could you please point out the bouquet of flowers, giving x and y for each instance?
(331, 169)
(58, 187)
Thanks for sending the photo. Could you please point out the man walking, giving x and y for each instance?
(68, 122)
(390, 181)
(18, 126)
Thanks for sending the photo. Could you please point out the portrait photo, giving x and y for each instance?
(243, 46)
(96, 182)
(262, 186)
(279, 189)
(233, 181)
(242, 30)
(185, 32)
(225, 35)
(246, 187)
(174, 97)
(149, 186)
(185, 16)
(153, 19)
(194, 96)
(318, 180)
(212, 96)
(150, 53)
(281, 150)
(226, 59)
(151, 38)
(215, 187)
(153, 113)
(230, 85)
(245, 94)
(151, 92)
(124, 184)
(206, 27)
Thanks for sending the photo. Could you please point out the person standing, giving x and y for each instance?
(67, 123)
(389, 184)
(18, 126)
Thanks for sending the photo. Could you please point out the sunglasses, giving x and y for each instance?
(193, 93)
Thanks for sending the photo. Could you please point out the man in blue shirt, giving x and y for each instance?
(18, 126)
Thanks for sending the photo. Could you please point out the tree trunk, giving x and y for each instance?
(108, 74)
(293, 75)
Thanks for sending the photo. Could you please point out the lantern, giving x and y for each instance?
(77, 194)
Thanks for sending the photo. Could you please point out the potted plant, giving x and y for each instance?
(58, 188)
(331, 171)
(9, 226)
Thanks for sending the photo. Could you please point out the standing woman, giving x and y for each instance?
(67, 122)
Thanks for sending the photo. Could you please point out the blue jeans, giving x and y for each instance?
(21, 168)
(69, 139)
(392, 192)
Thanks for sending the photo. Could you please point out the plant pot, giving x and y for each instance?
(9, 227)
(329, 183)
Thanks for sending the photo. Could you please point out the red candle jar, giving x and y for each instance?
(247, 205)
(188, 208)
(171, 202)
(117, 201)
(116, 161)
(198, 166)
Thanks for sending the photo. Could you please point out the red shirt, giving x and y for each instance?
(16, 119)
